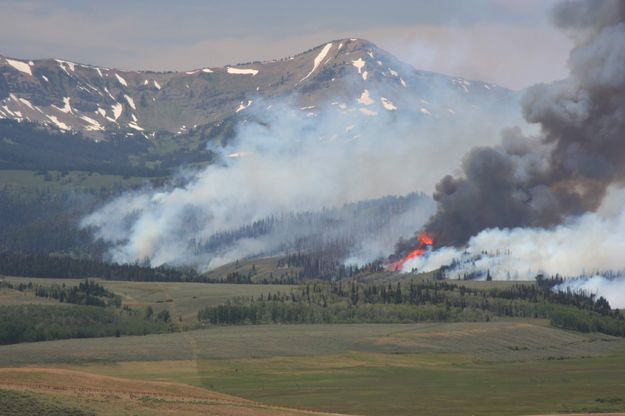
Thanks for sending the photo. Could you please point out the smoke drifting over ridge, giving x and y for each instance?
(565, 170)
(285, 162)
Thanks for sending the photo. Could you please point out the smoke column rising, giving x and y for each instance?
(565, 171)
(535, 205)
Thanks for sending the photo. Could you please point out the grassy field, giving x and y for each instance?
(508, 367)
(503, 367)
(183, 300)
(73, 180)
(266, 268)
(54, 392)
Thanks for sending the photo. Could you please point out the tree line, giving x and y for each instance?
(54, 266)
(30, 323)
(87, 292)
(343, 302)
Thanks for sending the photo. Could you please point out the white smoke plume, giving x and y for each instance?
(589, 250)
(611, 288)
(283, 161)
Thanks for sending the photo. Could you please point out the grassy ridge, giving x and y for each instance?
(182, 300)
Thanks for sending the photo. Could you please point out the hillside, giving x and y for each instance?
(47, 391)
(348, 75)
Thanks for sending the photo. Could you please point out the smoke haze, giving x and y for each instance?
(284, 161)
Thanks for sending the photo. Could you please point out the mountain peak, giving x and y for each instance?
(353, 74)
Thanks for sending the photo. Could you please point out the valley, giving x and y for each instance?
(305, 222)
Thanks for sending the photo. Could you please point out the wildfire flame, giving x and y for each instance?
(424, 241)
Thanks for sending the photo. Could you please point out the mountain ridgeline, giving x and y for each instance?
(73, 136)
(100, 102)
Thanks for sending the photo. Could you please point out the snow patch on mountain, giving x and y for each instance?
(93, 124)
(320, 57)
(109, 93)
(359, 64)
(27, 104)
(117, 110)
(243, 106)
(135, 126)
(66, 66)
(121, 80)
(386, 103)
(365, 98)
(20, 66)
(67, 108)
(130, 101)
(59, 123)
(242, 71)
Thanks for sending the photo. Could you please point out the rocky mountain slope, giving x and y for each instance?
(349, 75)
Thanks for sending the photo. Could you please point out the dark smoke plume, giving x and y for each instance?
(539, 181)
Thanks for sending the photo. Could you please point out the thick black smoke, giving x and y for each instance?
(538, 181)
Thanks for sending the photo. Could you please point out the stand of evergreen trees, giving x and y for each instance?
(51, 266)
(88, 310)
(30, 323)
(66, 267)
(86, 293)
(342, 302)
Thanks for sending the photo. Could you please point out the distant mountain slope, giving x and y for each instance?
(351, 75)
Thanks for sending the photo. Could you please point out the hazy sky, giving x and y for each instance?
(509, 42)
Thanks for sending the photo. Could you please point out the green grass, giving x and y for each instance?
(181, 299)
(438, 384)
(503, 367)
(74, 180)
(507, 367)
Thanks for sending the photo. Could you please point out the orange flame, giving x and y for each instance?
(424, 241)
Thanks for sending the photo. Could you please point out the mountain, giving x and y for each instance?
(351, 75)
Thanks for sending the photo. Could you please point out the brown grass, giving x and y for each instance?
(114, 395)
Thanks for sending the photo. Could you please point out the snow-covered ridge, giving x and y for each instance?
(362, 80)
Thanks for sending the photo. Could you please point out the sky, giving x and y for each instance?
(507, 42)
